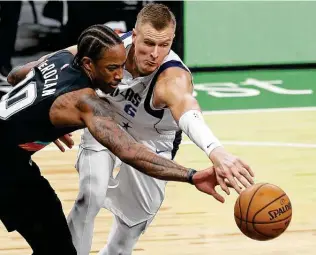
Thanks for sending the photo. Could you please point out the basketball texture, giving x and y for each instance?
(263, 211)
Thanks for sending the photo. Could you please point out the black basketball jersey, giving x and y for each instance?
(24, 111)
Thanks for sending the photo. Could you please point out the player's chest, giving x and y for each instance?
(130, 93)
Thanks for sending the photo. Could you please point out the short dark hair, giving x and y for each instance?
(93, 41)
(158, 15)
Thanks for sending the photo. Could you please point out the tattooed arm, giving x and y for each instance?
(96, 115)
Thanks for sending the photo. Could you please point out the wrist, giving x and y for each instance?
(213, 147)
(190, 175)
(214, 153)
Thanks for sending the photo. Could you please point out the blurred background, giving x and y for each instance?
(31, 28)
(216, 33)
(211, 36)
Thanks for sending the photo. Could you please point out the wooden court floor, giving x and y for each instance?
(280, 147)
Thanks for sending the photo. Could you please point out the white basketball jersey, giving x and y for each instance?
(132, 105)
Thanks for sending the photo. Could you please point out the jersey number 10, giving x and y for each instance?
(20, 97)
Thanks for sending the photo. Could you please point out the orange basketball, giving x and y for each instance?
(263, 211)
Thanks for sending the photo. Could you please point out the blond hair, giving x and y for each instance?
(157, 15)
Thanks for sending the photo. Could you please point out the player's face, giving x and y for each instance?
(108, 70)
(151, 47)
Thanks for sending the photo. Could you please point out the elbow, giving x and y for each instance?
(10, 79)
(13, 76)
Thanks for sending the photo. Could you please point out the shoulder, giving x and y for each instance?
(172, 68)
(85, 95)
(88, 100)
(127, 38)
(73, 100)
(174, 72)
(172, 83)
(174, 77)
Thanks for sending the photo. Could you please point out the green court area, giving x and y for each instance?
(255, 89)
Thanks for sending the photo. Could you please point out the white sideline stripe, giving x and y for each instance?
(244, 143)
(238, 143)
(263, 144)
(290, 109)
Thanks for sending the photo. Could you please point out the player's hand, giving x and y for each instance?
(232, 169)
(206, 181)
(67, 140)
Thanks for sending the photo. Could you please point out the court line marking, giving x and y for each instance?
(289, 109)
(237, 143)
(262, 144)
(245, 143)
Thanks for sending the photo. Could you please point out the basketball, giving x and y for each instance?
(263, 211)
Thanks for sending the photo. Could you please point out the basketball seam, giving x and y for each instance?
(255, 229)
(253, 224)
(267, 206)
(240, 211)
(258, 232)
(267, 222)
(251, 201)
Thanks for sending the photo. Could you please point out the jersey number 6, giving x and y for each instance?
(130, 110)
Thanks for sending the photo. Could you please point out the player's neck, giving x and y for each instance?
(130, 65)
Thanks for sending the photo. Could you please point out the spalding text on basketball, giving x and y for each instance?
(277, 212)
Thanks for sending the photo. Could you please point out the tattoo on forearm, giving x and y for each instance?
(103, 127)
(159, 167)
(111, 135)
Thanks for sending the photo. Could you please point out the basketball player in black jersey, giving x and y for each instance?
(53, 97)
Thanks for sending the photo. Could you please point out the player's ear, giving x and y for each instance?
(87, 63)
(134, 35)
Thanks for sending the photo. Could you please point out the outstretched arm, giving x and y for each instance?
(174, 90)
(83, 108)
(96, 115)
(97, 118)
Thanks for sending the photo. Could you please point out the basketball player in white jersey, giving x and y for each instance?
(153, 103)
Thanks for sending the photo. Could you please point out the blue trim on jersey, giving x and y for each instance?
(159, 113)
(127, 34)
(176, 143)
(42, 143)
